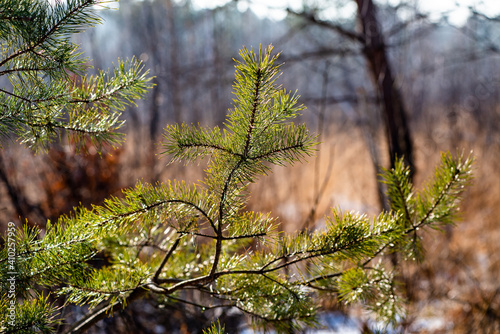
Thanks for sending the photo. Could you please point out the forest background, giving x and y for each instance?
(449, 80)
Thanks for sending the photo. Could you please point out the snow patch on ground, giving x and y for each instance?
(340, 323)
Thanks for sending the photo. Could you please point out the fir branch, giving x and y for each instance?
(246, 236)
(448, 187)
(38, 313)
(198, 305)
(223, 266)
(14, 18)
(58, 266)
(16, 96)
(403, 189)
(62, 126)
(141, 245)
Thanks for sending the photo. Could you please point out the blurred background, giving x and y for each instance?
(377, 77)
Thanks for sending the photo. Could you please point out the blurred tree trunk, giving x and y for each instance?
(371, 40)
(215, 93)
(396, 124)
(173, 74)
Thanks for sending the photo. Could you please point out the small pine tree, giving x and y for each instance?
(164, 239)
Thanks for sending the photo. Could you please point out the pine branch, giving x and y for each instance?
(35, 109)
(55, 27)
(255, 104)
(218, 245)
(450, 192)
(234, 256)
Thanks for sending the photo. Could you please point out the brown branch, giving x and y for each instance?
(335, 27)
(484, 16)
(255, 104)
(166, 258)
(218, 245)
(15, 18)
(220, 237)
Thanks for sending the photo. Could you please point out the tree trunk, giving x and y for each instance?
(396, 124)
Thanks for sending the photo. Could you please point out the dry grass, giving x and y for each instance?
(341, 175)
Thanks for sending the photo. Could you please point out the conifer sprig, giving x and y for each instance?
(37, 315)
(48, 92)
(434, 207)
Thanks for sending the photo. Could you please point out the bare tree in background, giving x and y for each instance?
(446, 81)
(371, 40)
(398, 131)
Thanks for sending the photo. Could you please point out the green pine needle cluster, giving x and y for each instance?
(163, 240)
(215, 328)
(44, 91)
(32, 316)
